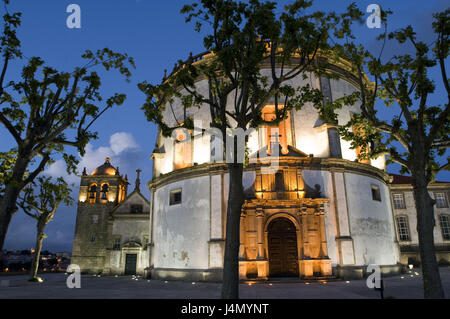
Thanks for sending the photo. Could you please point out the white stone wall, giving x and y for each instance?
(323, 178)
(371, 222)
(181, 232)
(308, 135)
(130, 227)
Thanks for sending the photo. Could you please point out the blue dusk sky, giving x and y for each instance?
(155, 34)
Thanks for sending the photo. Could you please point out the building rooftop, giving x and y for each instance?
(405, 180)
(106, 169)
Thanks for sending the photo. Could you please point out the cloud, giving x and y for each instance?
(123, 151)
(121, 142)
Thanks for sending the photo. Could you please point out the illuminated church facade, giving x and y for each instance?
(322, 214)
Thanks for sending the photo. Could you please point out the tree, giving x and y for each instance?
(420, 129)
(242, 37)
(7, 161)
(47, 110)
(42, 206)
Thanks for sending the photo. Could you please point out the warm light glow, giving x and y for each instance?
(111, 171)
(279, 133)
(182, 151)
(83, 198)
(314, 144)
(301, 194)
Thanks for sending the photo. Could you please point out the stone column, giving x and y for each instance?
(260, 232)
(305, 237)
(300, 185)
(242, 237)
(334, 142)
(323, 234)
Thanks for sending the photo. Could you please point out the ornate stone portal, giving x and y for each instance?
(283, 232)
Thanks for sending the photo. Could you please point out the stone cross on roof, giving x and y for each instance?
(138, 180)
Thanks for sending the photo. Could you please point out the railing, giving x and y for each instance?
(190, 60)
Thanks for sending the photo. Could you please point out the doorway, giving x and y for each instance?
(130, 264)
(283, 254)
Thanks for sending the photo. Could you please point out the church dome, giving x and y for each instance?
(106, 169)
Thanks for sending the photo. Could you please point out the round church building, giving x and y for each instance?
(313, 211)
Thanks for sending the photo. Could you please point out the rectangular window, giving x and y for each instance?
(175, 197)
(445, 226)
(137, 209)
(145, 243)
(116, 244)
(95, 219)
(402, 227)
(441, 200)
(399, 201)
(183, 149)
(376, 195)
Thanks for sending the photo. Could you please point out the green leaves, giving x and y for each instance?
(7, 162)
(10, 44)
(243, 37)
(41, 199)
(403, 84)
(110, 60)
(46, 110)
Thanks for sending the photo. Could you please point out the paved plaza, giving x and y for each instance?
(402, 286)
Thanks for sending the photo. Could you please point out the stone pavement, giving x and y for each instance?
(401, 286)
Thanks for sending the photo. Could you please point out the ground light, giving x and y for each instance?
(37, 279)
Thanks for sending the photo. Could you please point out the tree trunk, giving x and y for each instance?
(8, 204)
(37, 253)
(425, 225)
(230, 284)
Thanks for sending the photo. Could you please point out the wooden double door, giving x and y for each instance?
(283, 253)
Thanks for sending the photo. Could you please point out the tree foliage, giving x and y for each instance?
(417, 136)
(41, 199)
(48, 112)
(242, 37)
(402, 83)
(242, 40)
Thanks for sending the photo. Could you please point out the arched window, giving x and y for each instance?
(92, 193)
(104, 193)
(182, 150)
(277, 133)
(279, 182)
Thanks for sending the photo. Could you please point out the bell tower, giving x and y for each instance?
(100, 193)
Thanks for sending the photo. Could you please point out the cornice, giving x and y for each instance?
(305, 163)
